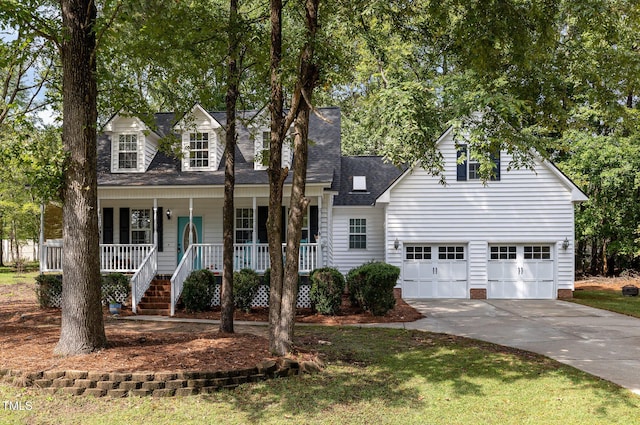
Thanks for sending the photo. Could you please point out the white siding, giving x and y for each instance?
(344, 259)
(524, 206)
(200, 121)
(147, 145)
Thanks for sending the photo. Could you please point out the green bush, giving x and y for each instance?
(115, 288)
(198, 290)
(371, 287)
(49, 290)
(245, 287)
(327, 287)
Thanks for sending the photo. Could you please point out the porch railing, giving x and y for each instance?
(141, 279)
(251, 256)
(51, 257)
(126, 258)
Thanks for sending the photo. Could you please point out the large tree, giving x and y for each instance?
(82, 327)
(284, 281)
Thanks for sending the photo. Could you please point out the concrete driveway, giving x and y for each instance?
(599, 342)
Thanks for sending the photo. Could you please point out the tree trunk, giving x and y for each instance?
(226, 293)
(276, 174)
(82, 328)
(281, 336)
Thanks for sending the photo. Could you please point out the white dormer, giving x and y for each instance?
(200, 134)
(261, 140)
(133, 144)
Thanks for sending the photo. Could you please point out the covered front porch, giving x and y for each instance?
(145, 235)
(140, 261)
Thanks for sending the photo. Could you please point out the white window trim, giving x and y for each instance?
(235, 224)
(147, 230)
(362, 223)
(115, 151)
(212, 149)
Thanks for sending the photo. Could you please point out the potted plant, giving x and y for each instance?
(115, 289)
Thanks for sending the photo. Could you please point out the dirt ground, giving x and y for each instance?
(28, 335)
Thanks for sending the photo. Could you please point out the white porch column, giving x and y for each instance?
(254, 249)
(155, 223)
(190, 221)
(319, 259)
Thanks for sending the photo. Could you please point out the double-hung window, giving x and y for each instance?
(357, 233)
(244, 225)
(127, 152)
(198, 150)
(141, 226)
(468, 168)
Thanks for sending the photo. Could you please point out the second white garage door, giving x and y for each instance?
(435, 271)
(521, 272)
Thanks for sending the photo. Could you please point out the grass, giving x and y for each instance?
(381, 376)
(8, 276)
(608, 300)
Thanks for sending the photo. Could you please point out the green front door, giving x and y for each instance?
(183, 234)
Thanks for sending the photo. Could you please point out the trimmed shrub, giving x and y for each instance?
(198, 290)
(115, 288)
(49, 290)
(245, 287)
(371, 287)
(327, 287)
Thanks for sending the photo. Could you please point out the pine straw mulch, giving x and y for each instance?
(607, 283)
(29, 335)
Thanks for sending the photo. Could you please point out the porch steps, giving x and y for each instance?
(157, 300)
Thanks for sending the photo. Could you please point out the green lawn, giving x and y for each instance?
(373, 376)
(10, 277)
(608, 300)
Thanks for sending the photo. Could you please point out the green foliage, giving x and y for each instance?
(371, 287)
(115, 288)
(327, 287)
(245, 287)
(198, 290)
(49, 290)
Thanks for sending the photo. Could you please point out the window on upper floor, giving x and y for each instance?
(469, 168)
(357, 233)
(199, 150)
(127, 152)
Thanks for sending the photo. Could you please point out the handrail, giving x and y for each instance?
(142, 278)
(185, 267)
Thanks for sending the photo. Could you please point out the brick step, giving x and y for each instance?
(154, 293)
(156, 305)
(155, 300)
(153, 311)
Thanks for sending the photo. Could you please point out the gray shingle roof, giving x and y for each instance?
(379, 175)
(164, 170)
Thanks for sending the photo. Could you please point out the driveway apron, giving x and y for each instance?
(599, 342)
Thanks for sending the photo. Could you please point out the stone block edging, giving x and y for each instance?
(157, 384)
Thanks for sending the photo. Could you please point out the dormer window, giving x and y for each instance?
(262, 143)
(198, 150)
(200, 135)
(133, 144)
(128, 152)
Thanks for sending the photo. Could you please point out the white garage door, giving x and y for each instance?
(435, 271)
(521, 272)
